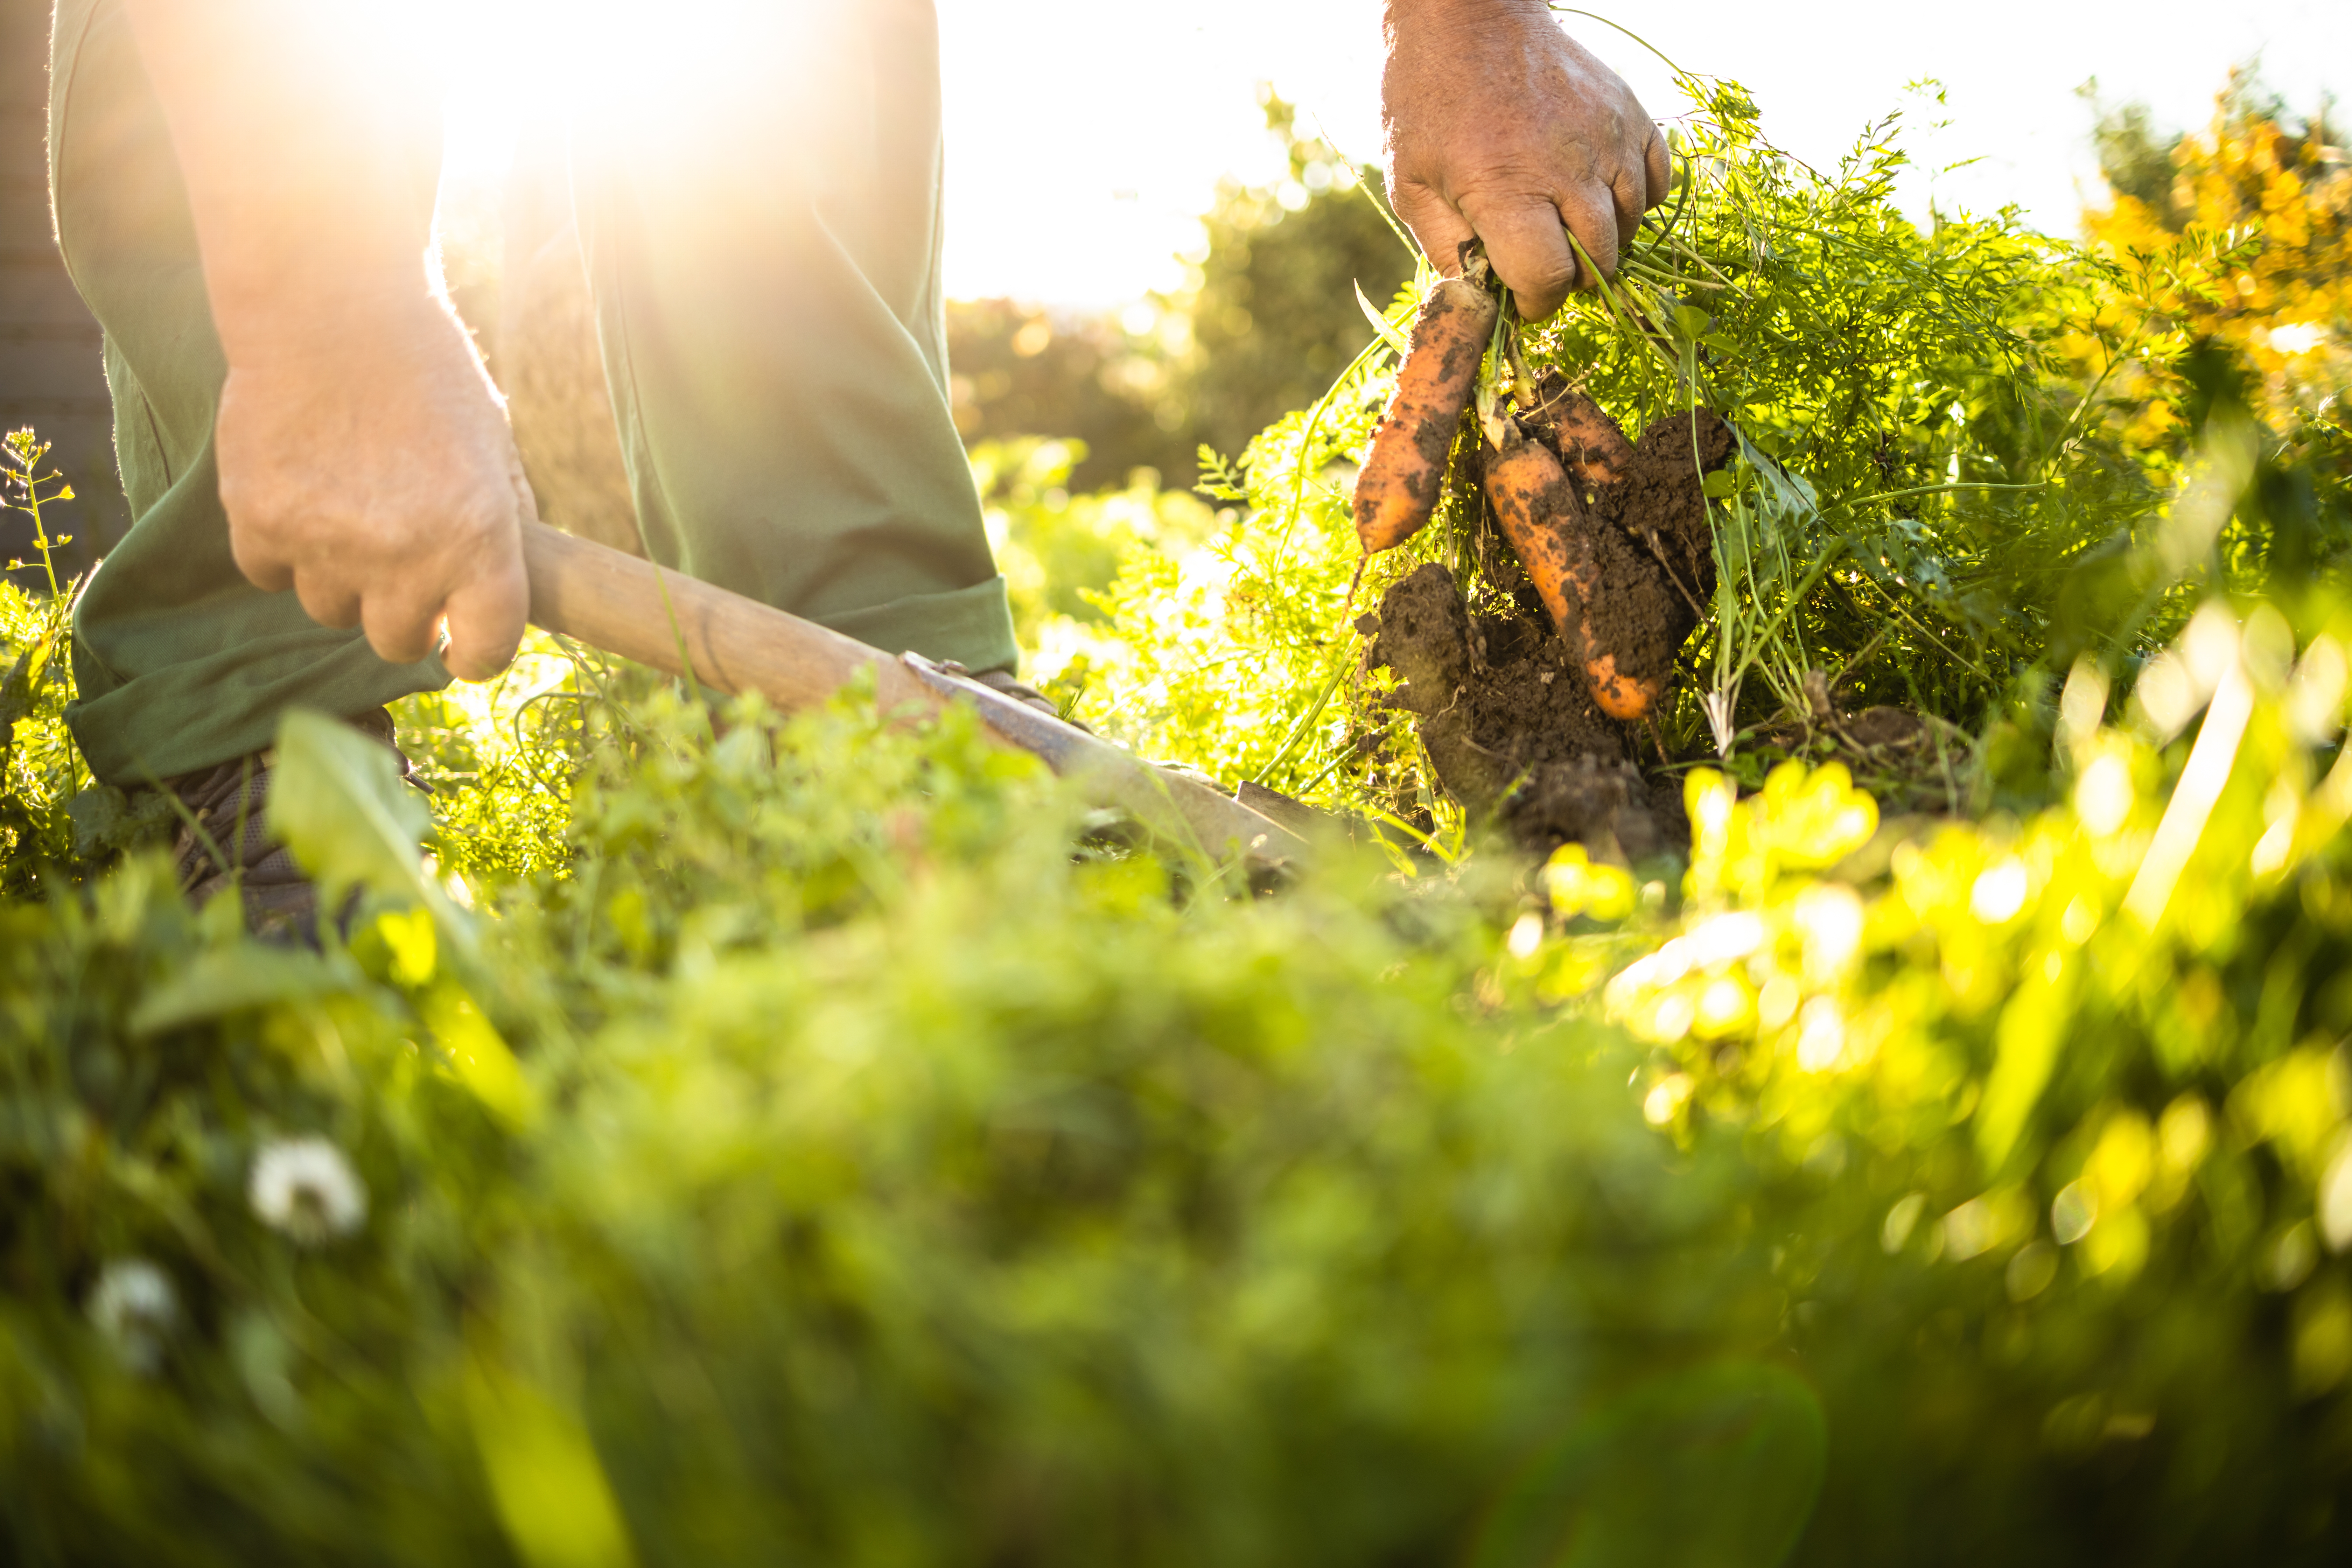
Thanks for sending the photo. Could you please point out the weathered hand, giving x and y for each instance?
(365, 459)
(372, 470)
(1500, 126)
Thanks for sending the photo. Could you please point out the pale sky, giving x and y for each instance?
(1085, 136)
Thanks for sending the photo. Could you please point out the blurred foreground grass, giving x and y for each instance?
(782, 1145)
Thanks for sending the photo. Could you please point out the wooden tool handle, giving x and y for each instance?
(628, 606)
(680, 626)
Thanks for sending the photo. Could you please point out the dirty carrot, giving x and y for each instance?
(1579, 432)
(1543, 519)
(1594, 450)
(1610, 602)
(1406, 467)
(1622, 696)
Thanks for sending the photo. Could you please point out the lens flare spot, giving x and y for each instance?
(1725, 1007)
(1998, 893)
(1665, 1099)
(1829, 917)
(1527, 935)
(1821, 1039)
(2103, 795)
(2072, 1213)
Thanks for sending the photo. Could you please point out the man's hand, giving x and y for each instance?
(373, 472)
(365, 462)
(1500, 127)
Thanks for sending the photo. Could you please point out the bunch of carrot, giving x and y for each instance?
(1543, 466)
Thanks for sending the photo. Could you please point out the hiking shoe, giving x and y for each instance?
(230, 805)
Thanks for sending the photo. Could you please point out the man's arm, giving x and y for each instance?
(364, 459)
(1500, 127)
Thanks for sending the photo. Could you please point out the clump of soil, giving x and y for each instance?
(1506, 713)
(1509, 727)
(1894, 730)
(1662, 501)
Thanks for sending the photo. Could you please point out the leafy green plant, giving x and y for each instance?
(37, 762)
(755, 1136)
(818, 1158)
(1059, 548)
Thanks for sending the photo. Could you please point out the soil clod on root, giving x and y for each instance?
(1515, 709)
(1513, 734)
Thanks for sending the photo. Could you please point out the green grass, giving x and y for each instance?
(811, 1157)
(794, 1138)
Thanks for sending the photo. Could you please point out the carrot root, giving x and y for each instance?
(1621, 696)
(1543, 519)
(1405, 470)
(1579, 433)
(1594, 584)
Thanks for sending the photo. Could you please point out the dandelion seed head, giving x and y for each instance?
(304, 1188)
(134, 1306)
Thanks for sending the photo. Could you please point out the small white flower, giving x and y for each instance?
(134, 1306)
(306, 1188)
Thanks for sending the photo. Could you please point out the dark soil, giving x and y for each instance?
(1510, 729)
(1913, 766)
(1910, 765)
(1663, 501)
(1503, 706)
(1641, 530)
(1892, 730)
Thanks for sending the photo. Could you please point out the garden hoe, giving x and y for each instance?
(629, 607)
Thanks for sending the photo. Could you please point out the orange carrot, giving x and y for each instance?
(1406, 467)
(1607, 599)
(1622, 696)
(1580, 434)
(1589, 442)
(1544, 521)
